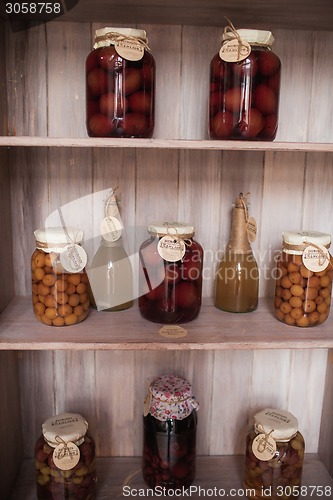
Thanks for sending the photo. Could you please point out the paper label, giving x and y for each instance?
(129, 50)
(66, 456)
(111, 228)
(316, 258)
(171, 249)
(73, 258)
(173, 331)
(234, 50)
(264, 447)
(251, 229)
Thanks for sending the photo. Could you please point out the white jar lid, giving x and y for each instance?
(122, 31)
(171, 228)
(303, 237)
(67, 427)
(59, 235)
(255, 37)
(281, 425)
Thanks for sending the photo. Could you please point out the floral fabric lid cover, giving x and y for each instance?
(170, 397)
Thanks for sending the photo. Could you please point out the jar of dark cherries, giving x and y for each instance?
(170, 280)
(65, 459)
(120, 84)
(274, 456)
(244, 87)
(169, 440)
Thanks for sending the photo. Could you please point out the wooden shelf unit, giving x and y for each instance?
(238, 364)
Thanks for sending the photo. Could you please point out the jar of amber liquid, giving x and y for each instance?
(65, 459)
(59, 281)
(304, 279)
(244, 87)
(170, 279)
(274, 456)
(169, 440)
(120, 84)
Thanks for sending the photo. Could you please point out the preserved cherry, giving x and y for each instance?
(169, 448)
(244, 94)
(303, 294)
(276, 473)
(67, 483)
(170, 274)
(120, 85)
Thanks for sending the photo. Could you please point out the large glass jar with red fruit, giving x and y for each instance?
(169, 440)
(170, 280)
(65, 459)
(120, 84)
(59, 281)
(274, 456)
(244, 87)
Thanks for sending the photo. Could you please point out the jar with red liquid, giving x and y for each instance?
(274, 456)
(120, 84)
(304, 276)
(169, 440)
(65, 461)
(170, 280)
(244, 87)
(59, 280)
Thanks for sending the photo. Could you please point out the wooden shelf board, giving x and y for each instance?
(97, 142)
(212, 330)
(212, 472)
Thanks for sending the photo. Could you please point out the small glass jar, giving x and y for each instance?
(120, 84)
(170, 280)
(169, 440)
(59, 281)
(303, 279)
(274, 456)
(65, 459)
(244, 87)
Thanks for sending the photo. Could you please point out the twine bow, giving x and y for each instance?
(262, 444)
(65, 449)
(230, 33)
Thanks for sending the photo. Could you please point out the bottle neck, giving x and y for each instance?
(112, 244)
(239, 242)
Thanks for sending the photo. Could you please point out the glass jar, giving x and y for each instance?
(170, 279)
(65, 459)
(304, 279)
(120, 84)
(59, 281)
(169, 440)
(274, 456)
(244, 87)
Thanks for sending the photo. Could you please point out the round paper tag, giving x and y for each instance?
(234, 51)
(251, 229)
(111, 228)
(129, 50)
(171, 249)
(316, 258)
(73, 258)
(66, 456)
(264, 447)
(173, 331)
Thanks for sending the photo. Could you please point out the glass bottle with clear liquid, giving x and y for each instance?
(237, 276)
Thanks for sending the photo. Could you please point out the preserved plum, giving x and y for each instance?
(170, 277)
(120, 85)
(244, 93)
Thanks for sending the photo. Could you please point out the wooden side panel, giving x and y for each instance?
(326, 430)
(6, 250)
(10, 418)
(3, 81)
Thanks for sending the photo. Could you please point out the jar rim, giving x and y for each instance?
(182, 229)
(129, 32)
(252, 36)
(59, 235)
(300, 238)
(67, 427)
(280, 424)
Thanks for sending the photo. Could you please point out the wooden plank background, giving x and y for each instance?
(45, 75)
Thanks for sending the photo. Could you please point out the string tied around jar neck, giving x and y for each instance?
(322, 256)
(230, 33)
(66, 448)
(186, 238)
(114, 37)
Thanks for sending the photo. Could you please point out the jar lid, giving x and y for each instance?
(128, 32)
(170, 397)
(253, 37)
(303, 237)
(59, 235)
(281, 425)
(180, 229)
(65, 427)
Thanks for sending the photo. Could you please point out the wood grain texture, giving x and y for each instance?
(3, 81)
(326, 430)
(10, 418)
(6, 251)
